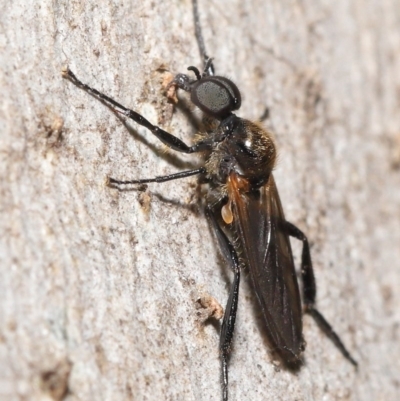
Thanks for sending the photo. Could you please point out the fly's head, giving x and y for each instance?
(216, 96)
(239, 145)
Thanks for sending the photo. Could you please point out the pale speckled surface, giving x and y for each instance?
(97, 294)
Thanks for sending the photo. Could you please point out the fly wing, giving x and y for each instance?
(259, 222)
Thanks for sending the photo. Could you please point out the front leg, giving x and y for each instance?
(309, 293)
(168, 139)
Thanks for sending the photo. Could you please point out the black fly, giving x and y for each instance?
(245, 211)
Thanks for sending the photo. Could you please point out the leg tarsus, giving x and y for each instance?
(328, 330)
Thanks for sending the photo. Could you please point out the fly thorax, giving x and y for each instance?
(245, 148)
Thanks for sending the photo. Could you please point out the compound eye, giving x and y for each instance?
(216, 96)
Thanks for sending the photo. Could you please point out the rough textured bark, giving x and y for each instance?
(98, 287)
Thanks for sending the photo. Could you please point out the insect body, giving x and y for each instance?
(245, 211)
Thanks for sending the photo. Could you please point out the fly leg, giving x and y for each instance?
(208, 65)
(162, 178)
(309, 293)
(168, 139)
(228, 324)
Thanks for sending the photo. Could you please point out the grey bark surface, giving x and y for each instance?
(98, 288)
